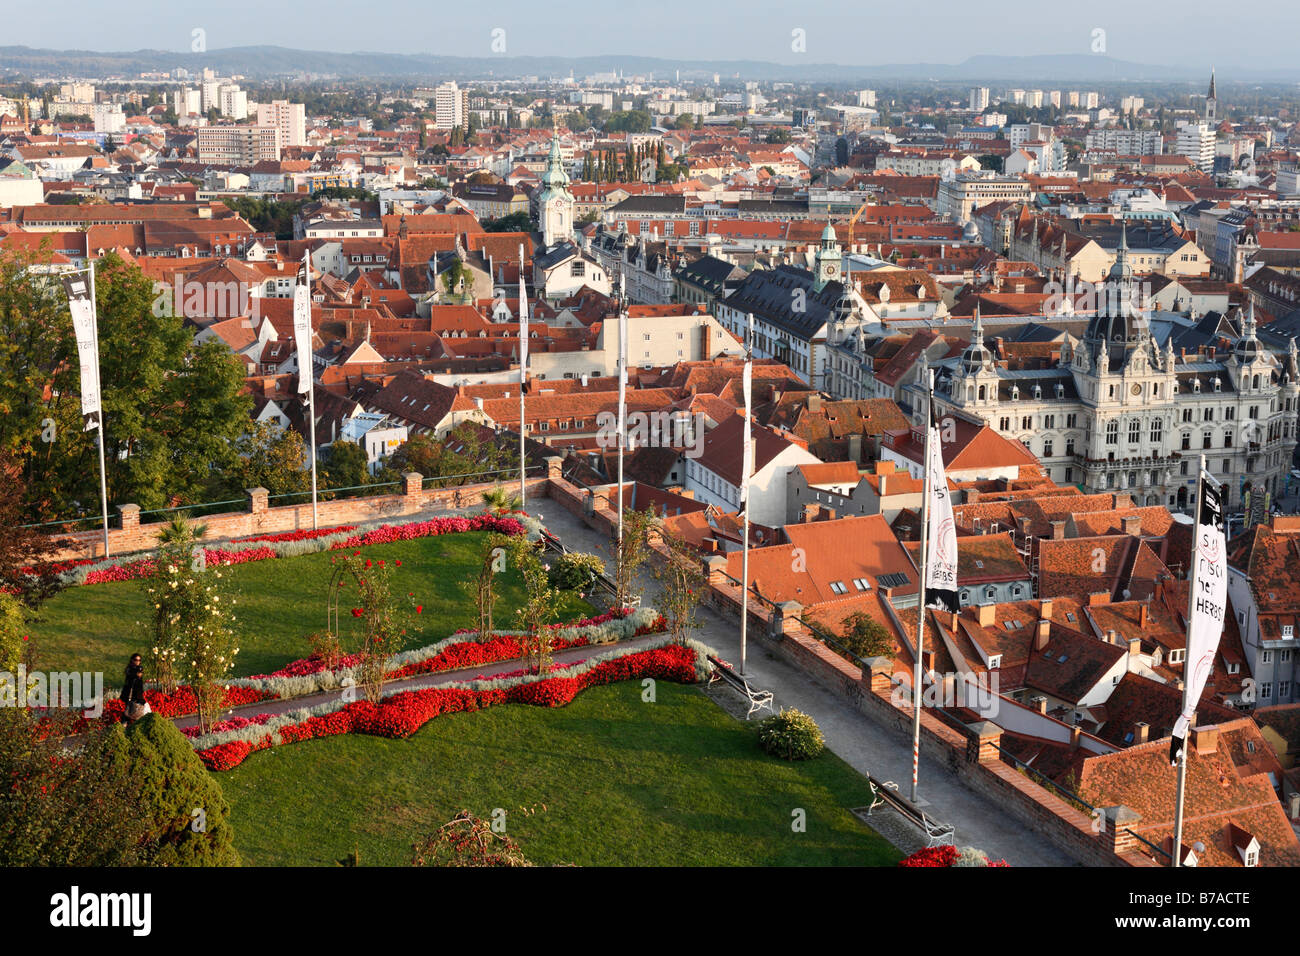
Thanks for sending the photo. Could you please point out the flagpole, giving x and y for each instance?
(920, 594)
(103, 479)
(523, 369)
(311, 392)
(622, 410)
(744, 495)
(1180, 793)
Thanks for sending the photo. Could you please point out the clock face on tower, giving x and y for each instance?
(828, 270)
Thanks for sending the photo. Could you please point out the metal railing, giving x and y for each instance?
(504, 479)
(1043, 781)
(1161, 850)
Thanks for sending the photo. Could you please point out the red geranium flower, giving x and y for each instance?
(419, 608)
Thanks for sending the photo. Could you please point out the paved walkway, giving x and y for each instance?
(854, 737)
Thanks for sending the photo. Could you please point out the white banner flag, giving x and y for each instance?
(1209, 603)
(622, 376)
(747, 458)
(83, 326)
(941, 532)
(302, 335)
(523, 321)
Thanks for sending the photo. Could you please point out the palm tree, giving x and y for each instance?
(501, 500)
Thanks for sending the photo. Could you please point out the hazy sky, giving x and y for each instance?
(865, 32)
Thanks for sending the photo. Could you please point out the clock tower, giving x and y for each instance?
(828, 267)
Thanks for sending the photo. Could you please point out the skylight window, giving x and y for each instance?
(838, 587)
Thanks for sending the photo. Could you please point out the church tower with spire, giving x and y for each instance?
(1212, 104)
(555, 204)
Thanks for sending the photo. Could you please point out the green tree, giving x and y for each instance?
(270, 457)
(190, 633)
(681, 585)
(540, 606)
(515, 222)
(346, 467)
(185, 813)
(629, 121)
(632, 553)
(172, 409)
(866, 637)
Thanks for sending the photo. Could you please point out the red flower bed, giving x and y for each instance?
(931, 856)
(143, 568)
(297, 535)
(386, 534)
(403, 714)
(940, 856)
(182, 702)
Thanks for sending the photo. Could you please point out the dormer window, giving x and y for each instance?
(995, 662)
(1015, 393)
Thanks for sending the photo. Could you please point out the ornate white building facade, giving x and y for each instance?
(1119, 414)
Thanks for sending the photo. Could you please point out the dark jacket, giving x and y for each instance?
(133, 688)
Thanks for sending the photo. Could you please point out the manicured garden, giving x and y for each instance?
(278, 602)
(623, 781)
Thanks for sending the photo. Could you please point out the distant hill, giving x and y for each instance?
(263, 62)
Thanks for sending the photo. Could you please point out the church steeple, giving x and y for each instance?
(1211, 103)
(828, 264)
(555, 204)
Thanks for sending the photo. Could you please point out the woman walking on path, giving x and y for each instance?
(133, 689)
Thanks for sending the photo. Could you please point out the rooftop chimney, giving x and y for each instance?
(1045, 611)
(1141, 732)
(1058, 530)
(1043, 634)
(987, 614)
(1142, 615)
(1098, 597)
(815, 402)
(1039, 704)
(1205, 740)
(1134, 646)
(1132, 525)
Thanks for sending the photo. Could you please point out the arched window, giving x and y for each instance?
(982, 394)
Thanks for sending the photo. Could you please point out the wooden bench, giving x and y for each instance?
(886, 794)
(758, 699)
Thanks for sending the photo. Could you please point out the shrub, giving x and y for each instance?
(59, 808)
(791, 735)
(576, 571)
(970, 856)
(174, 785)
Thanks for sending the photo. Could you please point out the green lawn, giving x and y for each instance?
(278, 603)
(627, 783)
